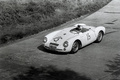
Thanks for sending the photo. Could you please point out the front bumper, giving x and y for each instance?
(56, 49)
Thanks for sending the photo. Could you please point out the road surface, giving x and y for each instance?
(90, 60)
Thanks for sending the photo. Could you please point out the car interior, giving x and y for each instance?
(76, 31)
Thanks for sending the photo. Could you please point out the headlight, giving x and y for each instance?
(45, 40)
(56, 39)
(65, 44)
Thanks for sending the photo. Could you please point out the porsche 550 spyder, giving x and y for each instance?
(71, 39)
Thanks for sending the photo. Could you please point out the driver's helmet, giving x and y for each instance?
(79, 27)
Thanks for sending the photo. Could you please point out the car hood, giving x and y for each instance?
(63, 36)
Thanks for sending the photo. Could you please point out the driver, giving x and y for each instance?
(79, 27)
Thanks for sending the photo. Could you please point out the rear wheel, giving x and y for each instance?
(75, 47)
(100, 37)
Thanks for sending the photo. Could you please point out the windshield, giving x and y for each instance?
(77, 31)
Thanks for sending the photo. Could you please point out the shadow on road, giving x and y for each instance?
(114, 68)
(50, 73)
(9, 68)
(51, 52)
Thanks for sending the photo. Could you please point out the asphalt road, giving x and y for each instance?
(90, 60)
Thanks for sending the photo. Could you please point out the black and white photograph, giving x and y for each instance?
(59, 39)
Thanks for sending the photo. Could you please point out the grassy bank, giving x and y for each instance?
(21, 20)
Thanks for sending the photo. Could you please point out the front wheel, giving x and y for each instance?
(100, 37)
(75, 47)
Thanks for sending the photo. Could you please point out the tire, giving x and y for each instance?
(100, 37)
(75, 47)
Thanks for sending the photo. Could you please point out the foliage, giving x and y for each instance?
(91, 7)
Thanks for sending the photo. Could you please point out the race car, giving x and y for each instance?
(73, 38)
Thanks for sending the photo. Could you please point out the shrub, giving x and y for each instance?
(5, 38)
(46, 9)
(91, 7)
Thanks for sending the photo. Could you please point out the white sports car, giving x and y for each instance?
(72, 39)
